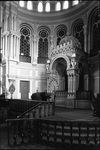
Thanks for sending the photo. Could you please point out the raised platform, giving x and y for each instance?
(72, 103)
(74, 114)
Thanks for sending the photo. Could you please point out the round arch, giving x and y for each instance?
(28, 26)
(66, 58)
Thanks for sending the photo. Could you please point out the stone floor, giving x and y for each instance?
(60, 114)
(75, 114)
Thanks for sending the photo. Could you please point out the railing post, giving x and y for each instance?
(14, 133)
(87, 140)
(54, 103)
(79, 126)
(36, 131)
(8, 132)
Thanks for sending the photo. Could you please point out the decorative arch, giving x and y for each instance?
(43, 44)
(78, 31)
(60, 32)
(60, 56)
(94, 30)
(25, 42)
(28, 26)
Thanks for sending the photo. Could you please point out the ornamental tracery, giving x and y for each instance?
(25, 45)
(61, 33)
(94, 25)
(43, 46)
(78, 31)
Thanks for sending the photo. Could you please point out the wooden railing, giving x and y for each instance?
(43, 109)
(53, 132)
(86, 95)
(18, 106)
(61, 94)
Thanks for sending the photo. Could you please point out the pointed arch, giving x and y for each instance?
(94, 30)
(77, 31)
(43, 44)
(25, 42)
(61, 32)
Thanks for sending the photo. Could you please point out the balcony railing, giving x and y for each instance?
(79, 134)
(24, 58)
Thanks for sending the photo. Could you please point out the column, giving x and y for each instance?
(18, 50)
(51, 45)
(6, 22)
(14, 46)
(3, 45)
(68, 27)
(11, 22)
(52, 41)
(71, 83)
(74, 83)
(31, 49)
(11, 46)
(14, 23)
(6, 46)
(85, 38)
(86, 82)
(35, 53)
(17, 47)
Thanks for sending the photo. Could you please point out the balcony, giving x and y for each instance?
(24, 58)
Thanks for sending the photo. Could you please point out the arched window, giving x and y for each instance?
(58, 6)
(75, 2)
(65, 4)
(21, 3)
(40, 7)
(43, 46)
(78, 32)
(47, 7)
(25, 45)
(95, 32)
(61, 33)
(29, 5)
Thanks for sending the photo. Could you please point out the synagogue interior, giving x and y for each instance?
(49, 58)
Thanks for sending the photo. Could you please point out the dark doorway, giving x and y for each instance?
(24, 89)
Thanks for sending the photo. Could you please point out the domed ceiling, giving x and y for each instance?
(48, 6)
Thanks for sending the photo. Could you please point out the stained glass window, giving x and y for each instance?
(25, 44)
(65, 4)
(96, 33)
(43, 46)
(75, 2)
(61, 33)
(40, 7)
(21, 3)
(79, 33)
(58, 6)
(29, 5)
(47, 7)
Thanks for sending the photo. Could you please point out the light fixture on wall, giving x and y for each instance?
(48, 61)
(74, 55)
(21, 54)
(48, 65)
